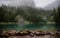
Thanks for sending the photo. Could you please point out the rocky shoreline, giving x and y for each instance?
(26, 33)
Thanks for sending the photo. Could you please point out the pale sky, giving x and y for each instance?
(38, 3)
(43, 3)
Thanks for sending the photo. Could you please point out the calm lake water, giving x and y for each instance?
(30, 26)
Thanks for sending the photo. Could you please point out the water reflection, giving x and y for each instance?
(31, 26)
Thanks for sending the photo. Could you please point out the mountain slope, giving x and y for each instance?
(52, 6)
(18, 2)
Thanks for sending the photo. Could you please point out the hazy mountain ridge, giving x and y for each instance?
(18, 3)
(52, 6)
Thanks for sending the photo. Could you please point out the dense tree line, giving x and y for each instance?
(34, 15)
(57, 15)
(6, 14)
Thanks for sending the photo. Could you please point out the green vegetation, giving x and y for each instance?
(33, 15)
(9, 16)
(57, 15)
